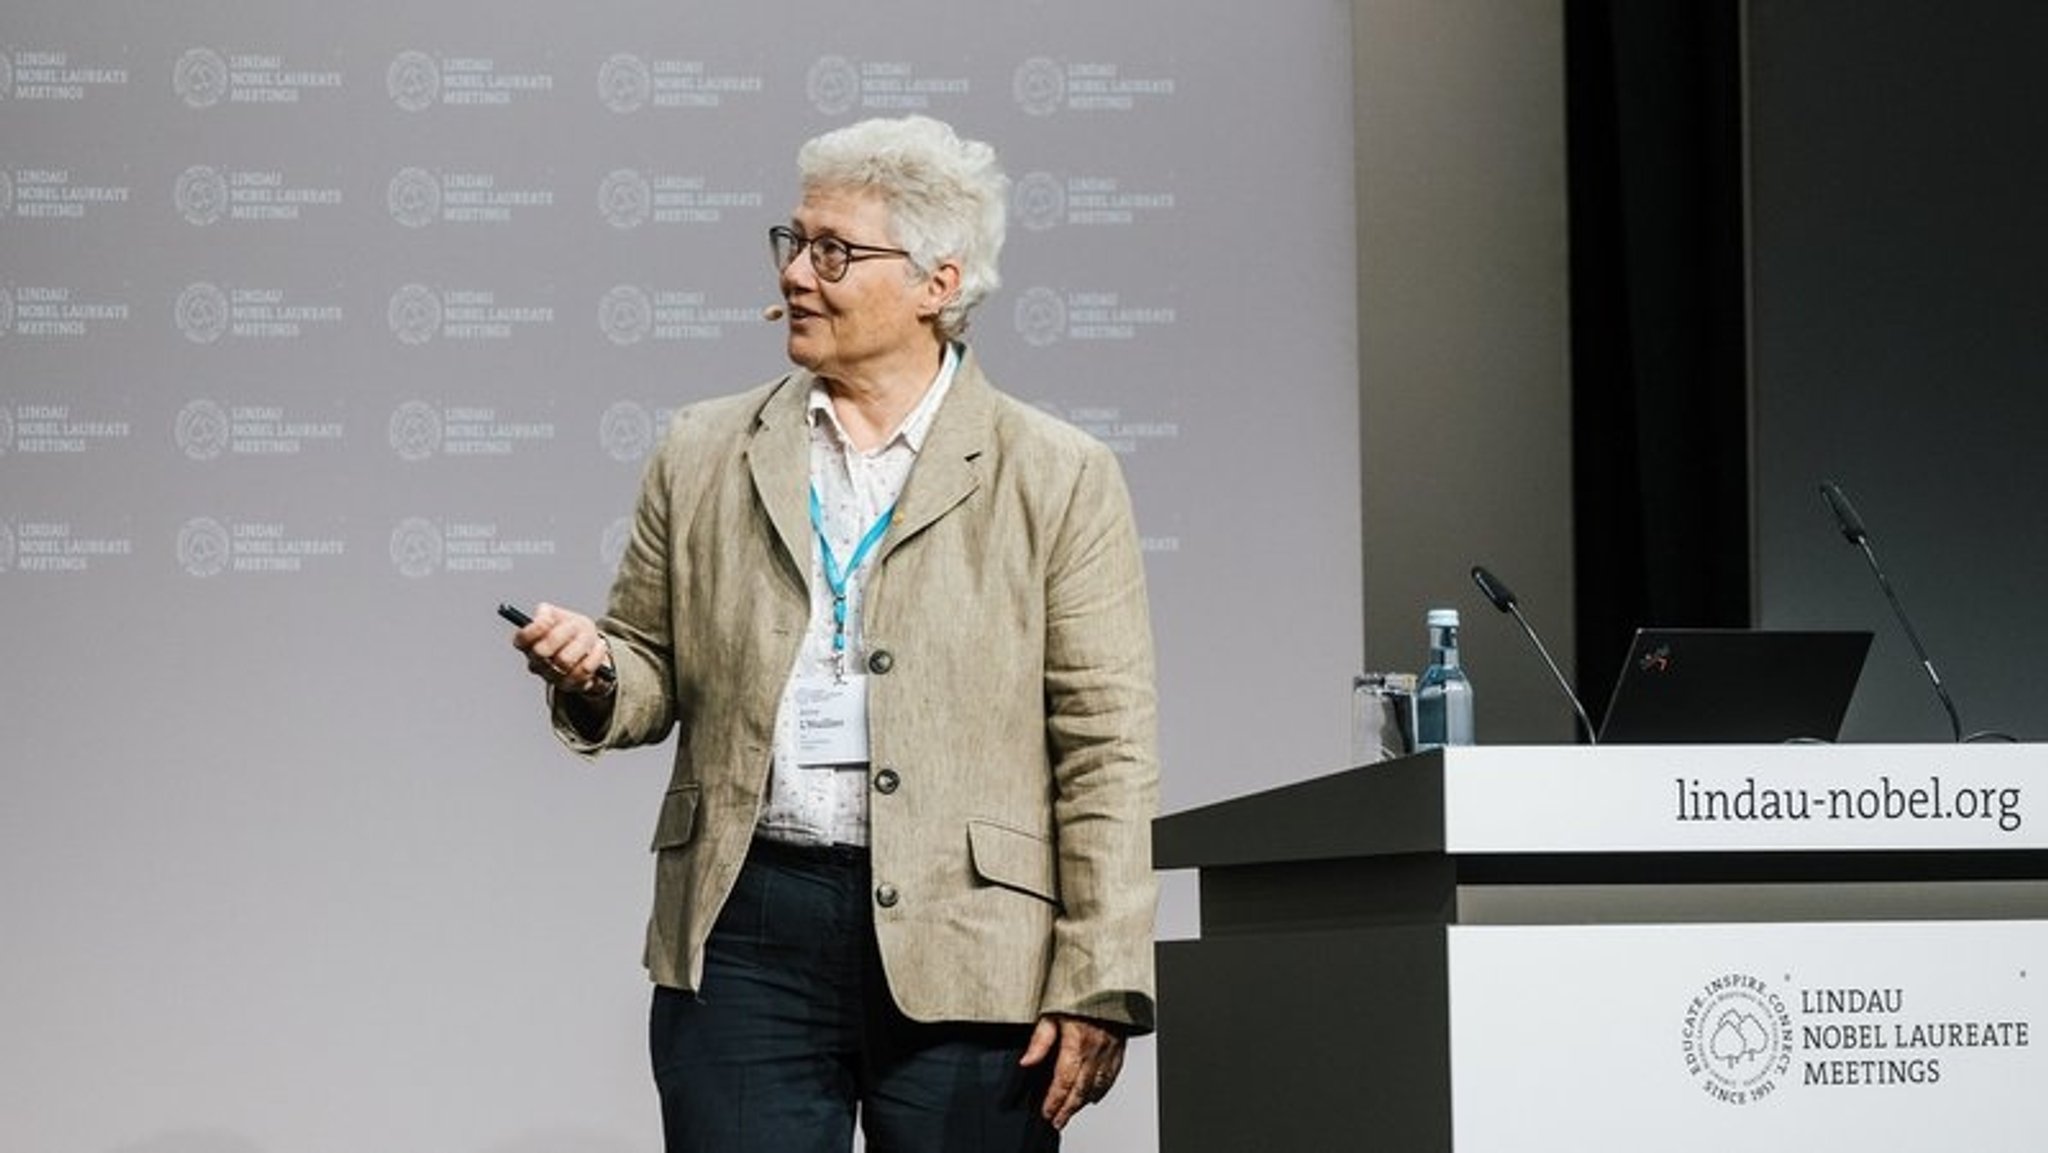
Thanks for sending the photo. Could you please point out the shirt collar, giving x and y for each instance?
(916, 425)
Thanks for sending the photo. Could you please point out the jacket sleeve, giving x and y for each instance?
(637, 619)
(1102, 736)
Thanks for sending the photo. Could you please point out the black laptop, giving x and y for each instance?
(1733, 686)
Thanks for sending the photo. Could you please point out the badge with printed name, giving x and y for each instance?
(832, 721)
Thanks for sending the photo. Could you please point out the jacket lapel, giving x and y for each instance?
(945, 472)
(779, 459)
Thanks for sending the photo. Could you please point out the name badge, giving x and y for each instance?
(832, 721)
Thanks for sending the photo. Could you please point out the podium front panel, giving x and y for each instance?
(1758, 1037)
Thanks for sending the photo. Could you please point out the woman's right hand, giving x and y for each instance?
(565, 649)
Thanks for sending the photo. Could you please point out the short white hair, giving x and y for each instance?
(946, 196)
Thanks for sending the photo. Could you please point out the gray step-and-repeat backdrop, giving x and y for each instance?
(324, 328)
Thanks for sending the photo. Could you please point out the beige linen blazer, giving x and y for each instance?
(1011, 706)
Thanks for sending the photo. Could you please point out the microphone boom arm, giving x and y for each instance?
(1503, 599)
(1854, 532)
(1591, 737)
(1955, 722)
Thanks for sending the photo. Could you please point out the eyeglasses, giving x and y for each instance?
(830, 256)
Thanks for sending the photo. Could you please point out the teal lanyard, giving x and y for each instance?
(835, 577)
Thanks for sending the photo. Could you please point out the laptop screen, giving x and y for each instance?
(1733, 686)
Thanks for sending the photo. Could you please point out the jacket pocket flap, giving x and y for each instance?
(678, 819)
(1012, 858)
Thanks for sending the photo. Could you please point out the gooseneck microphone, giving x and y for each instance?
(1854, 532)
(1504, 599)
(774, 312)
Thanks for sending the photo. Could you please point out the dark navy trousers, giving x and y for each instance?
(794, 1034)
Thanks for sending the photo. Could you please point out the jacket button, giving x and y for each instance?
(886, 781)
(885, 896)
(880, 662)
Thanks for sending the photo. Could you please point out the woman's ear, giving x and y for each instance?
(941, 289)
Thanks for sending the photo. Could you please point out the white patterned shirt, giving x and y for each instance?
(815, 804)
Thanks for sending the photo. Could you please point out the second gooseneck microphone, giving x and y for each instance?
(1854, 532)
(1503, 599)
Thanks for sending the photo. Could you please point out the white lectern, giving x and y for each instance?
(1694, 948)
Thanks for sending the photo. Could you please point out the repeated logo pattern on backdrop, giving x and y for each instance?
(349, 271)
(326, 328)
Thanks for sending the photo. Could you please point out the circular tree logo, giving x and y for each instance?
(625, 198)
(623, 83)
(414, 197)
(6, 547)
(203, 547)
(6, 431)
(626, 431)
(1040, 201)
(1041, 316)
(414, 314)
(415, 430)
(202, 312)
(414, 81)
(626, 315)
(833, 85)
(202, 430)
(6, 311)
(200, 78)
(1736, 1038)
(6, 71)
(6, 195)
(1039, 86)
(416, 547)
(202, 194)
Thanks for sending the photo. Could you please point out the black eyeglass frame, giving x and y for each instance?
(831, 257)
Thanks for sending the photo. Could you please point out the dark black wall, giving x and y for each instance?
(1810, 241)
(1899, 208)
(1660, 465)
